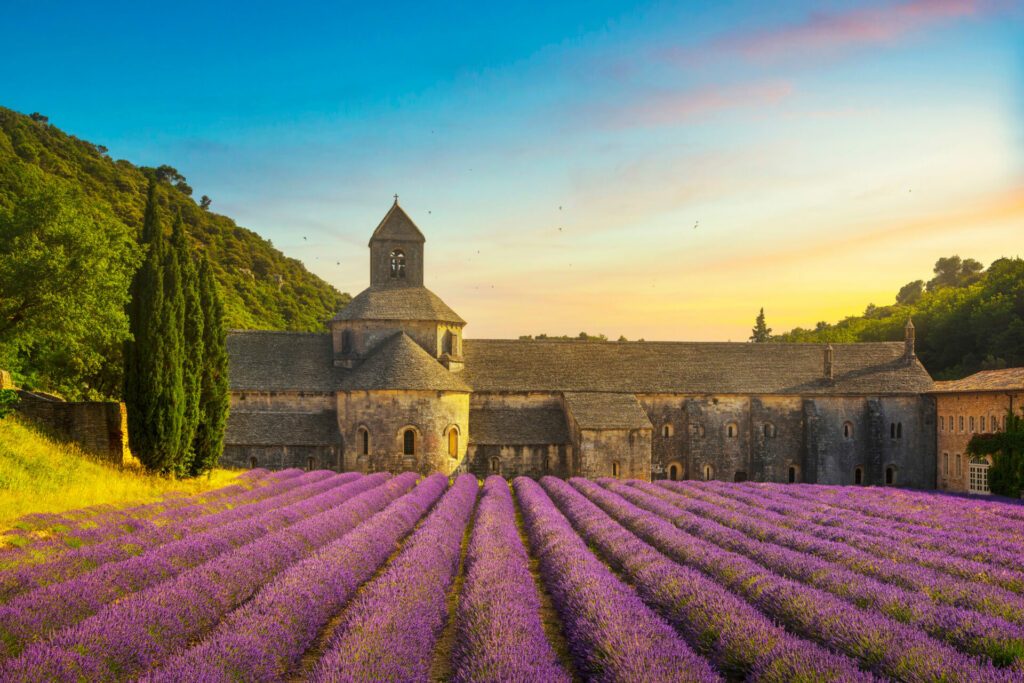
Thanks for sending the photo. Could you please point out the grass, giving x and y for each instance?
(41, 474)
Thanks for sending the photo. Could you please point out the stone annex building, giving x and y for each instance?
(395, 386)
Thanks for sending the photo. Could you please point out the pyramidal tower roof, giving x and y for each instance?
(396, 225)
(401, 363)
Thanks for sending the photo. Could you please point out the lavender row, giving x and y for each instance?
(265, 639)
(139, 632)
(612, 634)
(896, 505)
(967, 630)
(942, 588)
(60, 605)
(390, 630)
(499, 634)
(879, 643)
(949, 540)
(737, 638)
(74, 562)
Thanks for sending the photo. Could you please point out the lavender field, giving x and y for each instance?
(326, 577)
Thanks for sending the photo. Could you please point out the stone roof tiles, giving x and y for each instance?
(592, 410)
(521, 426)
(396, 225)
(689, 367)
(268, 428)
(401, 363)
(399, 303)
(281, 361)
(1007, 379)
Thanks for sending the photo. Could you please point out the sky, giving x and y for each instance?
(654, 170)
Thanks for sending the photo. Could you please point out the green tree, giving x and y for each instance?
(910, 293)
(8, 399)
(192, 339)
(64, 277)
(1006, 448)
(761, 332)
(214, 397)
(153, 390)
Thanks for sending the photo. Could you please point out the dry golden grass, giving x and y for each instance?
(40, 474)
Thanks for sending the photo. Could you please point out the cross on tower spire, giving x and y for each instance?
(396, 198)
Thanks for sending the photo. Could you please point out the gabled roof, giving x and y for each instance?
(282, 428)
(400, 363)
(1007, 379)
(281, 361)
(517, 426)
(606, 411)
(399, 303)
(690, 367)
(396, 225)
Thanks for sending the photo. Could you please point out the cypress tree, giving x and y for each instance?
(192, 337)
(172, 331)
(213, 401)
(153, 431)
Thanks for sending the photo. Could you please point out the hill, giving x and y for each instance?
(967, 318)
(41, 475)
(261, 287)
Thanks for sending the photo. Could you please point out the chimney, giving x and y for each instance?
(829, 358)
(909, 354)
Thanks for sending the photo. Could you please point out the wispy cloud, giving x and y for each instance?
(832, 32)
(667, 108)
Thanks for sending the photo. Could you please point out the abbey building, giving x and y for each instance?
(395, 386)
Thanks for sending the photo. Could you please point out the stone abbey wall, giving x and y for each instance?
(98, 427)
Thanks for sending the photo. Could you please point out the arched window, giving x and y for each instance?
(731, 430)
(858, 476)
(890, 475)
(792, 474)
(769, 430)
(253, 463)
(708, 473)
(310, 463)
(446, 343)
(892, 430)
(899, 430)
(978, 480)
(346, 342)
(739, 476)
(616, 469)
(697, 430)
(409, 442)
(495, 465)
(364, 441)
(398, 263)
(547, 463)
(666, 430)
(673, 472)
(847, 430)
(453, 442)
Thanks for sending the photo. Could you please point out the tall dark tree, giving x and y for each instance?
(153, 390)
(910, 293)
(192, 339)
(761, 332)
(213, 401)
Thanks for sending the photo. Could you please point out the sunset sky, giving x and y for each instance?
(658, 170)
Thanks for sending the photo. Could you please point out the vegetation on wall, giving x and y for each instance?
(1006, 448)
(61, 196)
(968, 318)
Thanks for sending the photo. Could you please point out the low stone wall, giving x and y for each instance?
(97, 427)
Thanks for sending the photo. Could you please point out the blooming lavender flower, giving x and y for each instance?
(388, 633)
(499, 635)
(140, 631)
(881, 644)
(612, 634)
(733, 635)
(121, 547)
(265, 639)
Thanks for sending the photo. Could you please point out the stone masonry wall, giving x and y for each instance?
(101, 428)
(959, 419)
(282, 457)
(279, 401)
(386, 414)
(534, 461)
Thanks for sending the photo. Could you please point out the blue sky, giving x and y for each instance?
(658, 170)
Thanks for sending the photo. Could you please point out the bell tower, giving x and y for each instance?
(396, 251)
